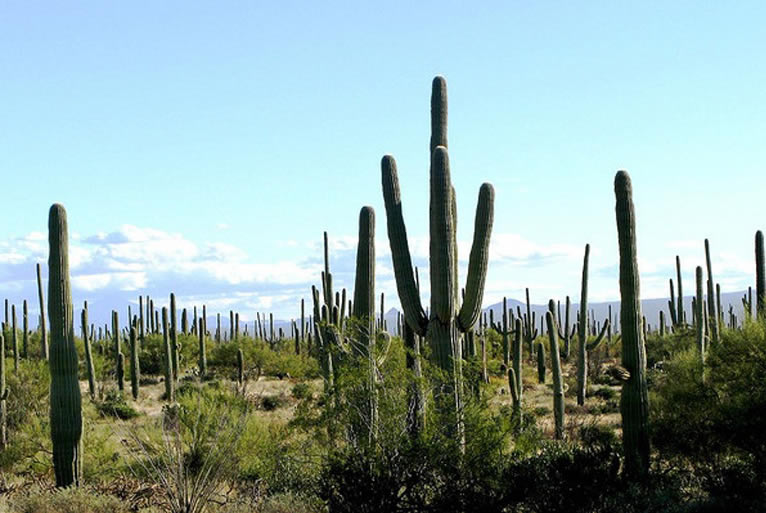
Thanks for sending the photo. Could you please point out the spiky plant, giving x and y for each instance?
(65, 398)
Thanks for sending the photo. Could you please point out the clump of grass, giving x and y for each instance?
(114, 405)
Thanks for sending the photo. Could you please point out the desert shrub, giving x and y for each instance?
(302, 391)
(71, 500)
(27, 410)
(114, 405)
(271, 402)
(709, 417)
(258, 355)
(192, 453)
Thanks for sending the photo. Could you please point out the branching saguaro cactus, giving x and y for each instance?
(65, 398)
(565, 332)
(582, 334)
(558, 379)
(712, 313)
(634, 400)
(446, 319)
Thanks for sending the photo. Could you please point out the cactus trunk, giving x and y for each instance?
(634, 400)
(65, 398)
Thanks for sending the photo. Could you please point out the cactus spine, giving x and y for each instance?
(43, 327)
(135, 366)
(634, 400)
(65, 398)
(88, 352)
(446, 319)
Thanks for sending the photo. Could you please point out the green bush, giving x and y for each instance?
(114, 405)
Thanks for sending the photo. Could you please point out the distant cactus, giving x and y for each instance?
(582, 333)
(15, 339)
(43, 327)
(175, 347)
(167, 358)
(699, 314)
(680, 316)
(202, 349)
(513, 386)
(565, 333)
(760, 275)
(135, 366)
(120, 372)
(3, 396)
(88, 352)
(540, 362)
(711, 311)
(634, 402)
(65, 398)
(240, 367)
(24, 331)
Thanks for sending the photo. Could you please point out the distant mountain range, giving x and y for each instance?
(649, 307)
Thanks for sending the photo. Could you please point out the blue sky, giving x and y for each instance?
(203, 147)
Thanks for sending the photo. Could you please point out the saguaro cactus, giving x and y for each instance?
(43, 327)
(699, 314)
(634, 400)
(88, 352)
(3, 395)
(582, 334)
(558, 380)
(24, 330)
(135, 366)
(760, 274)
(446, 319)
(65, 398)
(202, 350)
(168, 358)
(712, 314)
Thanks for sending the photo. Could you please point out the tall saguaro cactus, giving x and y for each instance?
(760, 274)
(88, 352)
(446, 319)
(43, 327)
(3, 395)
(634, 400)
(65, 398)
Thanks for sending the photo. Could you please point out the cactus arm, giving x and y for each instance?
(600, 338)
(400, 251)
(477, 263)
